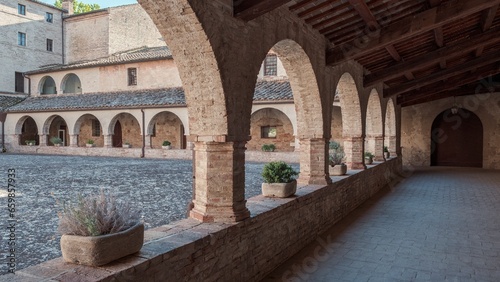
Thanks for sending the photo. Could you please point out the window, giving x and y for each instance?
(271, 65)
(49, 17)
(49, 45)
(21, 9)
(19, 82)
(132, 76)
(268, 132)
(96, 128)
(21, 39)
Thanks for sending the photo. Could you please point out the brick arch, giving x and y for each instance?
(195, 59)
(170, 128)
(274, 118)
(83, 123)
(390, 127)
(305, 90)
(374, 140)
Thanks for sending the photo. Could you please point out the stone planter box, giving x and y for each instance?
(167, 147)
(89, 145)
(368, 161)
(126, 146)
(58, 145)
(387, 155)
(279, 190)
(100, 250)
(337, 170)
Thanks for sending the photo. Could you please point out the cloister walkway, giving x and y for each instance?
(438, 224)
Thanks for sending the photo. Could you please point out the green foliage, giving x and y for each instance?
(337, 154)
(55, 140)
(278, 172)
(386, 149)
(90, 141)
(166, 143)
(268, 147)
(30, 142)
(96, 215)
(369, 155)
(79, 7)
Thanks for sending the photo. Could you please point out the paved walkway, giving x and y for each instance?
(439, 224)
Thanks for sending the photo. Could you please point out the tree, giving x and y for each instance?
(79, 7)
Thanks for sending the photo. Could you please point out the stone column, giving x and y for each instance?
(219, 194)
(376, 147)
(392, 145)
(73, 140)
(353, 148)
(108, 141)
(147, 144)
(313, 161)
(43, 139)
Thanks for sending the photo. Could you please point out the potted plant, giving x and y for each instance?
(336, 158)
(268, 147)
(387, 154)
(166, 145)
(369, 158)
(30, 142)
(279, 181)
(56, 141)
(126, 145)
(98, 229)
(90, 143)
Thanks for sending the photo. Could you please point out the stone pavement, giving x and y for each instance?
(439, 224)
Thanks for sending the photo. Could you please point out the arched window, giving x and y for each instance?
(48, 86)
(71, 84)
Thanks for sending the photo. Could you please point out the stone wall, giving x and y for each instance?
(188, 250)
(417, 125)
(284, 140)
(167, 127)
(37, 30)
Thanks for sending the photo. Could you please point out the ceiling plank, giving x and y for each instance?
(249, 10)
(453, 83)
(443, 74)
(451, 93)
(406, 28)
(434, 3)
(460, 48)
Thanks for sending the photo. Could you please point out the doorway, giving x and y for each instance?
(117, 135)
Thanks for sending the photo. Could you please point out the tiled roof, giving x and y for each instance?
(264, 91)
(8, 101)
(136, 55)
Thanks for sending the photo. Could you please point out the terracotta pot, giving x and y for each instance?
(279, 190)
(336, 170)
(100, 250)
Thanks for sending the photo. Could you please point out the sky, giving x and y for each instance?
(102, 3)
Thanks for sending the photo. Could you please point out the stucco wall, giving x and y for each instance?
(34, 54)
(417, 125)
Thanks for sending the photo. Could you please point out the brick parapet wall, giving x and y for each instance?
(188, 250)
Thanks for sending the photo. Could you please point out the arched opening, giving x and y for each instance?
(47, 86)
(390, 128)
(71, 84)
(457, 139)
(56, 127)
(352, 129)
(167, 126)
(271, 126)
(374, 140)
(336, 126)
(126, 130)
(27, 130)
(88, 127)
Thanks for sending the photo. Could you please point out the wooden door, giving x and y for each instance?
(117, 135)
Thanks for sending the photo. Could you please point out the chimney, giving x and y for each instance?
(68, 6)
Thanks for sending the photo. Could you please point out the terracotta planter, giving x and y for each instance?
(279, 190)
(336, 170)
(100, 250)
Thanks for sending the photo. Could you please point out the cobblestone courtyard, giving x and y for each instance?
(161, 188)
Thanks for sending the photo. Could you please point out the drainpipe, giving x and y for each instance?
(143, 134)
(2, 120)
(62, 38)
(29, 83)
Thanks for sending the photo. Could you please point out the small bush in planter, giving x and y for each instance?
(336, 159)
(55, 140)
(268, 147)
(90, 141)
(166, 143)
(30, 142)
(369, 157)
(386, 149)
(279, 180)
(98, 229)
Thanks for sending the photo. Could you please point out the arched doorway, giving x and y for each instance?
(28, 131)
(457, 139)
(117, 135)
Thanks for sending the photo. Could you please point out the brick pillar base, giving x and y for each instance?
(219, 182)
(147, 140)
(108, 141)
(313, 163)
(43, 140)
(353, 148)
(378, 148)
(392, 145)
(73, 140)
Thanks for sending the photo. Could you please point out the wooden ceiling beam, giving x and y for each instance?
(406, 28)
(443, 74)
(488, 17)
(452, 83)
(459, 48)
(249, 10)
(451, 93)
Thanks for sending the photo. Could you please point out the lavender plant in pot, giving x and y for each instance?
(336, 159)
